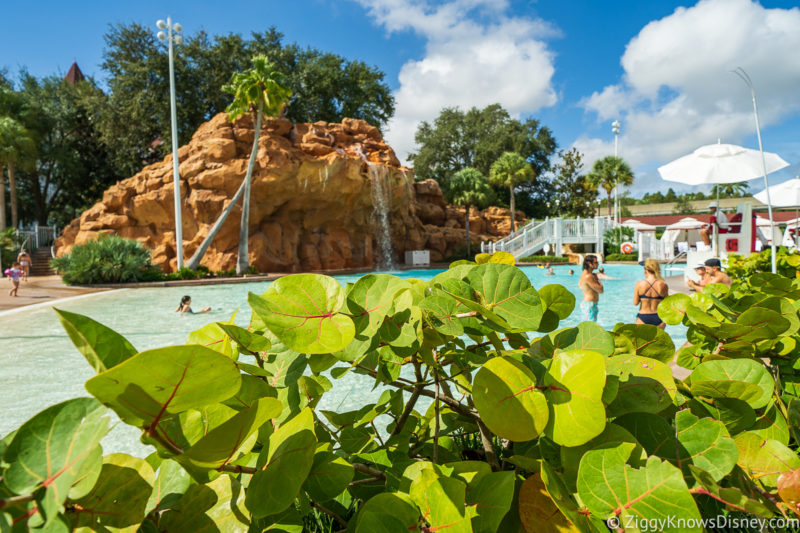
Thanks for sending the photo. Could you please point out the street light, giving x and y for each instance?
(174, 38)
(739, 71)
(615, 128)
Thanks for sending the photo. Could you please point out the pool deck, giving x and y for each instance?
(38, 290)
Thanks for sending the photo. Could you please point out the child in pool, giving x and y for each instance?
(186, 306)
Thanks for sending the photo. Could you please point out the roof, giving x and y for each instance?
(74, 75)
(666, 220)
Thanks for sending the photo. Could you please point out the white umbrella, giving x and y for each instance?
(724, 163)
(720, 163)
(786, 194)
(638, 226)
(687, 223)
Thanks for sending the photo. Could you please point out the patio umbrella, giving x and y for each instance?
(787, 194)
(723, 163)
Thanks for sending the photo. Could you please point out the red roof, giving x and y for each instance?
(74, 75)
(666, 220)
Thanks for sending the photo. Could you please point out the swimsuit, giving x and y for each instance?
(650, 318)
(590, 310)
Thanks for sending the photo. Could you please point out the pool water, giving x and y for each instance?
(41, 367)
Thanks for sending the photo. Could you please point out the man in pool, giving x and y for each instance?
(700, 270)
(591, 288)
(717, 275)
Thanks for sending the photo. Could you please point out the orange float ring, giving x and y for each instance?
(626, 247)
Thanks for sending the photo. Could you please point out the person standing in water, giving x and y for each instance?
(591, 288)
(186, 306)
(649, 292)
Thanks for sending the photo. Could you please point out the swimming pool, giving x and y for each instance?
(41, 367)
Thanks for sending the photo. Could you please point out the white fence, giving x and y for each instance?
(38, 236)
(552, 232)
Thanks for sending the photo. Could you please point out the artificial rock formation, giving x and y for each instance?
(311, 200)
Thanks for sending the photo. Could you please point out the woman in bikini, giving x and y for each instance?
(649, 293)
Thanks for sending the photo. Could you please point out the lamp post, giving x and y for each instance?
(615, 128)
(742, 74)
(174, 38)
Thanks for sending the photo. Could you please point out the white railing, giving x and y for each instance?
(38, 236)
(555, 232)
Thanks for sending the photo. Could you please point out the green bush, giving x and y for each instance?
(622, 257)
(613, 238)
(742, 267)
(544, 259)
(109, 259)
(491, 418)
(10, 243)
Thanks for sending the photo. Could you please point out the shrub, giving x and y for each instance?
(10, 243)
(544, 259)
(109, 259)
(614, 237)
(742, 267)
(622, 257)
(491, 418)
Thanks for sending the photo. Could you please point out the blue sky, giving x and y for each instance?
(662, 68)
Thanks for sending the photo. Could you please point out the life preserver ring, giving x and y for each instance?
(627, 247)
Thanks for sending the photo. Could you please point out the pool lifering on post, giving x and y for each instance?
(626, 248)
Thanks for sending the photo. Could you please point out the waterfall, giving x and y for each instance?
(381, 182)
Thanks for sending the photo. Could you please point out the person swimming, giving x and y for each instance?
(186, 306)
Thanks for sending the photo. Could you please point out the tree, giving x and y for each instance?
(476, 138)
(325, 87)
(730, 190)
(469, 188)
(257, 90)
(610, 172)
(16, 147)
(575, 193)
(72, 168)
(683, 206)
(510, 170)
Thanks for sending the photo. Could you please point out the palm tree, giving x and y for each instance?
(468, 188)
(730, 190)
(510, 170)
(258, 90)
(609, 172)
(16, 147)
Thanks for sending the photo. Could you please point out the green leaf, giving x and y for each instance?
(119, 498)
(537, 510)
(608, 487)
(491, 495)
(371, 299)
(170, 484)
(302, 310)
(329, 476)
(214, 337)
(217, 506)
(506, 396)
(649, 341)
(558, 299)
(742, 379)
(573, 386)
(755, 324)
(388, 513)
(52, 449)
(703, 442)
(442, 501)
(764, 460)
(565, 501)
(673, 308)
(147, 387)
(288, 461)
(247, 341)
(584, 336)
(643, 385)
(571, 456)
(507, 292)
(440, 312)
(733, 497)
(100, 345)
(227, 441)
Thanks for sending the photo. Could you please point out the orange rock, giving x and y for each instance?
(311, 200)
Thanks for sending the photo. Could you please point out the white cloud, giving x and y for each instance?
(474, 56)
(678, 92)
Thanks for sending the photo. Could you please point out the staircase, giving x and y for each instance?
(41, 262)
(554, 233)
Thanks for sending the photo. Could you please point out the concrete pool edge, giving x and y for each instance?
(51, 303)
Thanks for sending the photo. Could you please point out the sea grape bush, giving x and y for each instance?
(489, 417)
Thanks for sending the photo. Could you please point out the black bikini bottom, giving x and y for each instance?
(650, 318)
